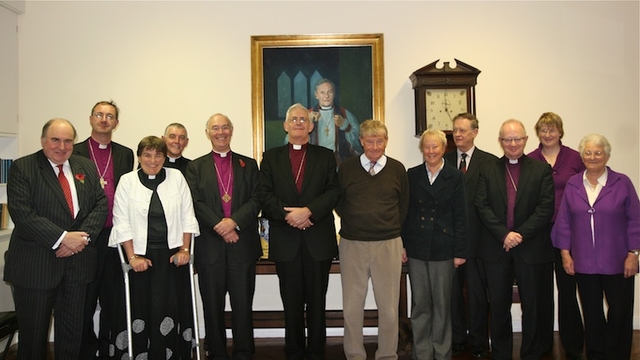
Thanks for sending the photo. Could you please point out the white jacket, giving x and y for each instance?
(131, 210)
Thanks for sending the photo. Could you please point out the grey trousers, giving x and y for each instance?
(431, 284)
(380, 261)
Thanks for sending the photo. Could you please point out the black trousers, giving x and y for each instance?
(607, 337)
(34, 308)
(569, 316)
(532, 286)
(107, 288)
(476, 310)
(215, 281)
(303, 286)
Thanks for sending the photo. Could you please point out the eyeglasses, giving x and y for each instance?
(220, 128)
(551, 131)
(596, 154)
(100, 115)
(460, 131)
(508, 141)
(298, 120)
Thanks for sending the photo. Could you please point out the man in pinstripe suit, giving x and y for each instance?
(51, 259)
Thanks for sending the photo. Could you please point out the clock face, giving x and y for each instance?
(442, 105)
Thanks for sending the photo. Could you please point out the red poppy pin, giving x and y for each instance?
(242, 164)
(80, 177)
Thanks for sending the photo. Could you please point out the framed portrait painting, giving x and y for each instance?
(339, 78)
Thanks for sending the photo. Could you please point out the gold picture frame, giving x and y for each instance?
(354, 62)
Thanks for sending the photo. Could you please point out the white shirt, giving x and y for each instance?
(469, 155)
(366, 163)
(434, 176)
(592, 195)
(66, 169)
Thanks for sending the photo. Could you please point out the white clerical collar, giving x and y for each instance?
(513, 161)
(173, 160)
(326, 107)
(152, 177)
(222, 154)
(100, 145)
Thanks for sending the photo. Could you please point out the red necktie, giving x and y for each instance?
(463, 162)
(66, 189)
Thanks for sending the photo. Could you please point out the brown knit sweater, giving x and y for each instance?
(372, 208)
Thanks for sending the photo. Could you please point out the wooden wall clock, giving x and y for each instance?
(441, 94)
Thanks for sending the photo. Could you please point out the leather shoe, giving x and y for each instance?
(457, 348)
(479, 353)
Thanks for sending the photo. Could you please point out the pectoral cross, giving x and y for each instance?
(326, 131)
(226, 197)
(103, 182)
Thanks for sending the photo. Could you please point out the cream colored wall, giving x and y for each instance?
(183, 61)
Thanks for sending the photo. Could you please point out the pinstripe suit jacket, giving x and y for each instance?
(40, 213)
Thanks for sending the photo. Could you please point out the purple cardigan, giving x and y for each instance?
(616, 216)
(568, 163)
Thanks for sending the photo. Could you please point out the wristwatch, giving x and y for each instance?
(635, 252)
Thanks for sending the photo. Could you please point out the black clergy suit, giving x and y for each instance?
(530, 261)
(108, 284)
(42, 281)
(303, 257)
(224, 267)
(180, 163)
(471, 272)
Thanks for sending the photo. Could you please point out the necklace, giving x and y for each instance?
(225, 197)
(103, 182)
(300, 167)
(511, 178)
(326, 123)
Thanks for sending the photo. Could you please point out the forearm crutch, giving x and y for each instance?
(127, 295)
(196, 332)
(125, 270)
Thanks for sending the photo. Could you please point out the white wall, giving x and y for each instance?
(164, 61)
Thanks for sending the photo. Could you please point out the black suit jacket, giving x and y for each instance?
(471, 177)
(320, 193)
(41, 214)
(534, 208)
(437, 226)
(203, 181)
(122, 157)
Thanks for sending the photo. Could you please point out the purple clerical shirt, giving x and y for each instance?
(298, 162)
(224, 169)
(512, 175)
(568, 163)
(104, 162)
